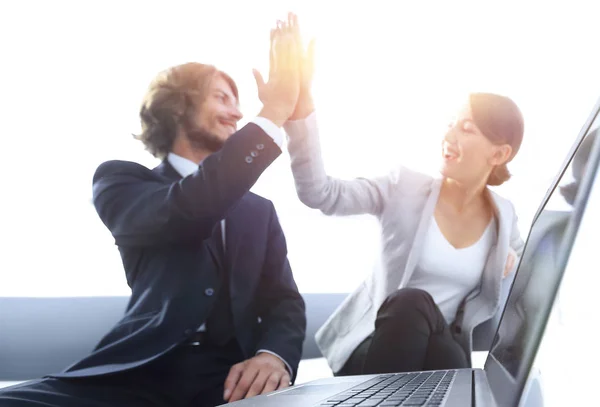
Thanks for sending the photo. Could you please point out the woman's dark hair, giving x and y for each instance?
(501, 121)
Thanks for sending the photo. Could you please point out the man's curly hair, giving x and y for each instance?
(170, 102)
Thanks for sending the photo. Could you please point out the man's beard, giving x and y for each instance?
(202, 139)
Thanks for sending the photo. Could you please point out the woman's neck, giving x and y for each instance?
(461, 196)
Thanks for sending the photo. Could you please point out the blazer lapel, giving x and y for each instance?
(166, 170)
(492, 274)
(213, 248)
(237, 254)
(485, 297)
(417, 246)
(234, 233)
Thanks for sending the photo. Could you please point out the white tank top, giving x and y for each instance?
(450, 274)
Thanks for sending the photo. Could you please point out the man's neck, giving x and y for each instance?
(183, 148)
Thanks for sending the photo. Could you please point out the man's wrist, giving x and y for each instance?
(274, 115)
(277, 360)
(284, 363)
(270, 128)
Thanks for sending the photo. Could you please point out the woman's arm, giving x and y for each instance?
(316, 189)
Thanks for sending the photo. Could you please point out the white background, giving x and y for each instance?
(389, 77)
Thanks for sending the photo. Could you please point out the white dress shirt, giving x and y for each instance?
(187, 167)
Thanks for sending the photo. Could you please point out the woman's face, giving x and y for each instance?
(467, 155)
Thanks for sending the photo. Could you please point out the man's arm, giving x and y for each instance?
(283, 326)
(142, 211)
(281, 307)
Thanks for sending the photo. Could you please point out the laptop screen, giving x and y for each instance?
(538, 277)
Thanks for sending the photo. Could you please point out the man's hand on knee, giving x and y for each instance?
(261, 374)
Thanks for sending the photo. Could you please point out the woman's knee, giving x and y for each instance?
(406, 299)
(408, 309)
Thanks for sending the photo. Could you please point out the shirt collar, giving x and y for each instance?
(182, 165)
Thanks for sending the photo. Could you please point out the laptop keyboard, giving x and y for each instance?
(399, 389)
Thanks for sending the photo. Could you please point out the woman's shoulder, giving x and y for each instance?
(407, 177)
(406, 183)
(504, 205)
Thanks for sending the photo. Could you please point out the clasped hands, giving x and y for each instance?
(286, 94)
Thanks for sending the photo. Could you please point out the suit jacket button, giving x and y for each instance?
(260, 146)
(249, 159)
(253, 153)
(209, 292)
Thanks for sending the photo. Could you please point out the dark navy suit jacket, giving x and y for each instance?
(162, 225)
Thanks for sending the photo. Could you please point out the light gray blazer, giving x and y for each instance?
(404, 202)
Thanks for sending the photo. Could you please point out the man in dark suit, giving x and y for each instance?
(215, 314)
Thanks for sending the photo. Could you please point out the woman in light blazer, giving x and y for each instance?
(447, 244)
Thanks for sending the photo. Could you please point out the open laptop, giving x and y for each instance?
(507, 376)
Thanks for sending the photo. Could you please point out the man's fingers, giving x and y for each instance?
(290, 49)
(260, 82)
(232, 379)
(282, 49)
(284, 46)
(272, 53)
(284, 381)
(296, 29)
(272, 382)
(243, 385)
(293, 54)
(259, 384)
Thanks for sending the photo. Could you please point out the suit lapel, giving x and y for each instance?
(166, 170)
(234, 229)
(212, 245)
(238, 224)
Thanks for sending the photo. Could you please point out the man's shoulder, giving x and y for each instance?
(124, 168)
(259, 201)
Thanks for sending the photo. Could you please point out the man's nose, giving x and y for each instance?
(236, 114)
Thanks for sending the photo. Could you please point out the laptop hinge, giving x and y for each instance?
(473, 388)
